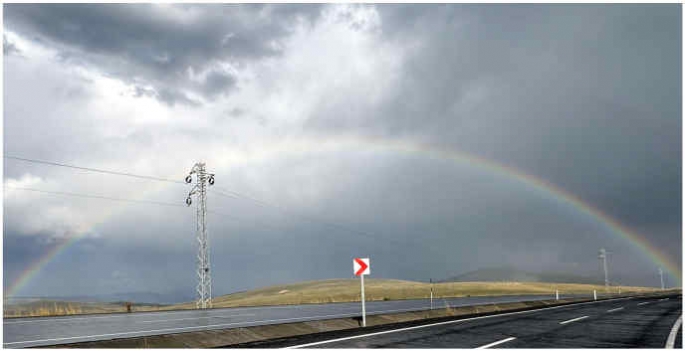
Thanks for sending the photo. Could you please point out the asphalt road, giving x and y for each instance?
(30, 332)
(618, 323)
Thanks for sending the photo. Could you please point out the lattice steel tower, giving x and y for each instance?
(204, 285)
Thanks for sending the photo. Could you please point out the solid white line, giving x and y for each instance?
(496, 343)
(674, 331)
(615, 309)
(21, 320)
(644, 303)
(664, 299)
(573, 320)
(170, 312)
(205, 326)
(449, 322)
(123, 315)
(208, 326)
(184, 319)
(175, 329)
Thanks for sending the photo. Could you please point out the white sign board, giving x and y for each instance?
(361, 266)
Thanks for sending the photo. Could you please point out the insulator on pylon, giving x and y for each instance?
(211, 180)
(189, 201)
(189, 179)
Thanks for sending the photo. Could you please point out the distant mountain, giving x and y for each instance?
(500, 274)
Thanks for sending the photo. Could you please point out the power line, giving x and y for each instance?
(96, 197)
(99, 197)
(280, 228)
(226, 192)
(94, 169)
(321, 222)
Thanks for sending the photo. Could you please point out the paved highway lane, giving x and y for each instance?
(28, 332)
(628, 322)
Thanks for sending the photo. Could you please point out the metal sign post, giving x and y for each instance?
(361, 267)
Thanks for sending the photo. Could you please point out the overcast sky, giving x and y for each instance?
(298, 106)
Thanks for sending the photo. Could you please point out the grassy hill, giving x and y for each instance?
(347, 290)
(60, 308)
(499, 274)
(320, 291)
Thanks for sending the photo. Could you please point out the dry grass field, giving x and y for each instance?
(347, 290)
(44, 308)
(321, 291)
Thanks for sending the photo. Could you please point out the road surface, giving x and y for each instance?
(617, 323)
(30, 332)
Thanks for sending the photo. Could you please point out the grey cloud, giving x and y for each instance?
(155, 45)
(217, 83)
(585, 97)
(8, 47)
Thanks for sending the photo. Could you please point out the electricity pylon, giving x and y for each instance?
(204, 285)
(603, 256)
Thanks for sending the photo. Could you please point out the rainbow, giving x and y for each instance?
(345, 143)
(231, 157)
(30, 272)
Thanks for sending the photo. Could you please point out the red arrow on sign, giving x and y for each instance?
(362, 266)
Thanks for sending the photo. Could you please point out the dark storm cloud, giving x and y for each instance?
(587, 97)
(157, 45)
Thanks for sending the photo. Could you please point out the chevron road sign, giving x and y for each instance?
(361, 266)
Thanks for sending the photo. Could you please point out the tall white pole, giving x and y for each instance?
(431, 281)
(661, 275)
(603, 256)
(363, 304)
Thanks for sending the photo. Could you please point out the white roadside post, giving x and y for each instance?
(594, 294)
(362, 267)
(661, 276)
(431, 281)
(557, 294)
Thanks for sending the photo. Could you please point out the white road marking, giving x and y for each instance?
(496, 343)
(644, 303)
(184, 319)
(666, 299)
(67, 319)
(305, 318)
(573, 320)
(203, 326)
(174, 329)
(169, 312)
(449, 322)
(615, 309)
(674, 331)
(150, 313)
(237, 309)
